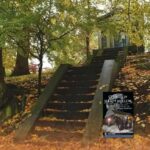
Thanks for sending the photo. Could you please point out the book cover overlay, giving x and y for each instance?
(118, 114)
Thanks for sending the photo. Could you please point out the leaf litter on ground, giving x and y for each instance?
(131, 78)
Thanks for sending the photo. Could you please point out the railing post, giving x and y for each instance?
(26, 126)
(121, 58)
(93, 126)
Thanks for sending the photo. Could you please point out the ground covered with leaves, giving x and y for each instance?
(22, 90)
(134, 76)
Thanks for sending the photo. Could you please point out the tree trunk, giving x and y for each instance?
(2, 82)
(129, 5)
(88, 45)
(41, 53)
(21, 66)
(40, 74)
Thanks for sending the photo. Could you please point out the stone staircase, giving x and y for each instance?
(69, 105)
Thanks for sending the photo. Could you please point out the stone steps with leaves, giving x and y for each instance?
(70, 104)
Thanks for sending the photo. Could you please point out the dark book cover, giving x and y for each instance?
(118, 114)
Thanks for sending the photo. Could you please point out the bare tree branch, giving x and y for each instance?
(33, 55)
(62, 35)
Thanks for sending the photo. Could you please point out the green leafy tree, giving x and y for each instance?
(128, 16)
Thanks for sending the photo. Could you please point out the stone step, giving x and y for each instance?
(72, 98)
(47, 122)
(80, 84)
(74, 90)
(68, 106)
(66, 115)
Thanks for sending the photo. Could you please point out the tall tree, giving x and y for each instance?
(128, 17)
(22, 45)
(21, 66)
(88, 16)
(48, 28)
(14, 33)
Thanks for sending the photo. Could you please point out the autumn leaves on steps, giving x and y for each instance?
(69, 105)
